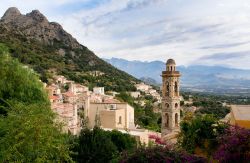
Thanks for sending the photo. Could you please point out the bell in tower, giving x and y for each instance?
(170, 99)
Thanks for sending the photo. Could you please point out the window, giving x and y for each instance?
(176, 120)
(120, 120)
(176, 87)
(167, 120)
(167, 105)
(167, 89)
(176, 105)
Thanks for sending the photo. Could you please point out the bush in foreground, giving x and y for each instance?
(159, 154)
(234, 145)
(98, 145)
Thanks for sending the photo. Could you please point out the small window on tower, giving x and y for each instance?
(167, 120)
(167, 105)
(176, 120)
(176, 105)
(167, 89)
(176, 87)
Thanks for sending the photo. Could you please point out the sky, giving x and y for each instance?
(204, 32)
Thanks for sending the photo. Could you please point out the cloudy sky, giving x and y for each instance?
(209, 32)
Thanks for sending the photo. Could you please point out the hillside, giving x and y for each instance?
(49, 50)
(195, 77)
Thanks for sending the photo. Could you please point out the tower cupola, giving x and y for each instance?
(170, 65)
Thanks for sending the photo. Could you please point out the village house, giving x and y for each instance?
(111, 115)
(69, 97)
(96, 73)
(240, 115)
(61, 80)
(67, 114)
(99, 90)
(136, 94)
(142, 87)
(54, 94)
(77, 88)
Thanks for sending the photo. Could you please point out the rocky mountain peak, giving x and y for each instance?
(37, 15)
(35, 25)
(11, 14)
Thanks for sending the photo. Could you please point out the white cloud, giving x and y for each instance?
(156, 29)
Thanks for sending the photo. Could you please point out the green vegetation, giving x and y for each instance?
(27, 129)
(144, 116)
(159, 154)
(217, 141)
(229, 99)
(208, 104)
(98, 145)
(75, 64)
(201, 132)
(211, 107)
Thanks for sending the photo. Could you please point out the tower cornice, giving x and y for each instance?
(171, 74)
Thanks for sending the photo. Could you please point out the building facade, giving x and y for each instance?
(170, 99)
(111, 115)
(240, 115)
(99, 90)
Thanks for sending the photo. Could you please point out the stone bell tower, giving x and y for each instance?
(170, 99)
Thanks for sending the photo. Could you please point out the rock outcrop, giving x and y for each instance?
(35, 25)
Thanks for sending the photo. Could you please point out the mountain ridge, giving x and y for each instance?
(48, 49)
(195, 76)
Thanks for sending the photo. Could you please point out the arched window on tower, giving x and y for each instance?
(176, 105)
(167, 89)
(167, 120)
(176, 88)
(176, 120)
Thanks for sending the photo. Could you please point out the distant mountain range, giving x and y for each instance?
(194, 78)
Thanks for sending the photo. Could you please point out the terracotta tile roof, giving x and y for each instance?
(54, 97)
(69, 94)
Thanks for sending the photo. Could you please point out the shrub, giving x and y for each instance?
(159, 154)
(234, 145)
(98, 145)
(201, 132)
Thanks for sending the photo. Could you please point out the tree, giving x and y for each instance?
(98, 145)
(122, 141)
(95, 146)
(28, 131)
(28, 135)
(19, 83)
(200, 132)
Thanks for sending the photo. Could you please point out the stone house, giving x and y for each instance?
(111, 115)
